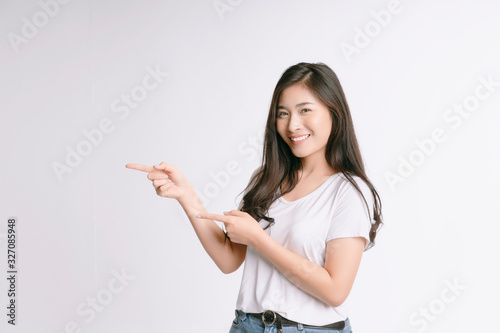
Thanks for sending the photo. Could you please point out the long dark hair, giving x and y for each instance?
(279, 164)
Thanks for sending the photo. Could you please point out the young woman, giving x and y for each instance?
(307, 215)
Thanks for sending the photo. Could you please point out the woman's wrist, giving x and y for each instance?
(259, 239)
(190, 200)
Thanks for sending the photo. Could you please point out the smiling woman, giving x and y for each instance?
(308, 213)
(297, 122)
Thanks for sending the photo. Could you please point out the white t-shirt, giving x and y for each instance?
(334, 210)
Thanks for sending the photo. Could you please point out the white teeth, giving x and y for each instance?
(300, 138)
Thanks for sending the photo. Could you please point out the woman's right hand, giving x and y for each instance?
(167, 180)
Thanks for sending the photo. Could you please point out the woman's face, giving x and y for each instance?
(303, 121)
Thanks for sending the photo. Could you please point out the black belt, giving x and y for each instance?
(270, 317)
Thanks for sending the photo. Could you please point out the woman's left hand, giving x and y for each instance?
(240, 226)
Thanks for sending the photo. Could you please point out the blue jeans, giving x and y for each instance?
(248, 324)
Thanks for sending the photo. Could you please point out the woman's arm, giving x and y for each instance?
(331, 283)
(228, 256)
(169, 182)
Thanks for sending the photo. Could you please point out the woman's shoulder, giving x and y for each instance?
(345, 185)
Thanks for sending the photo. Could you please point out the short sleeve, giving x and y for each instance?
(351, 217)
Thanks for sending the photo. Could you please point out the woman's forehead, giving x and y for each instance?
(295, 94)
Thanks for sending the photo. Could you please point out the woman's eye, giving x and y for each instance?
(281, 113)
(306, 109)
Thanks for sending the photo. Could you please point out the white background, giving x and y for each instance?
(67, 73)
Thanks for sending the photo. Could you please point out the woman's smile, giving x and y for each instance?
(296, 140)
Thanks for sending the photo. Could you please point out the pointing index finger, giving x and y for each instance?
(216, 217)
(140, 167)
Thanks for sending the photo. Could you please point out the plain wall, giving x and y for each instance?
(422, 80)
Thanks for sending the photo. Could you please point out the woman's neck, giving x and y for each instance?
(315, 168)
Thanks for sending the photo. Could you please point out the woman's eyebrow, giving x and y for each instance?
(296, 106)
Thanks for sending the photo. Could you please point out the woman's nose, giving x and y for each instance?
(294, 123)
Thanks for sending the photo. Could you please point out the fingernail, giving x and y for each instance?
(198, 216)
(165, 176)
(225, 213)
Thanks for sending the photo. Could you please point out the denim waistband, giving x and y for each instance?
(243, 315)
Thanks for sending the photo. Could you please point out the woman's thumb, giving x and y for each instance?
(166, 167)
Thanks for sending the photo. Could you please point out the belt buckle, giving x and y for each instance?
(264, 319)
